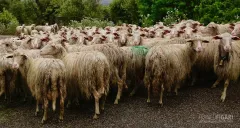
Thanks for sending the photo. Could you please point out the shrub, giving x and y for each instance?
(173, 16)
(90, 22)
(8, 22)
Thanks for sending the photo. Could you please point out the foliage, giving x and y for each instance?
(219, 11)
(173, 17)
(124, 11)
(90, 22)
(140, 12)
(8, 22)
(71, 10)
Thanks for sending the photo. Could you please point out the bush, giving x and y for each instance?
(2, 28)
(173, 16)
(8, 22)
(85, 22)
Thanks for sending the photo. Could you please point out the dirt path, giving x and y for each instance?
(194, 107)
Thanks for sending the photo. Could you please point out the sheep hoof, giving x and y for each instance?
(214, 86)
(102, 108)
(36, 114)
(223, 98)
(116, 102)
(161, 104)
(60, 120)
(95, 116)
(43, 121)
(131, 94)
(77, 104)
(148, 101)
(169, 94)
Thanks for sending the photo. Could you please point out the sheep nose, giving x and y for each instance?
(15, 66)
(227, 48)
(199, 49)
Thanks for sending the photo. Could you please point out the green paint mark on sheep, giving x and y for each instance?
(141, 50)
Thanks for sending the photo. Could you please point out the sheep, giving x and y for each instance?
(213, 29)
(114, 54)
(205, 60)
(236, 30)
(30, 28)
(170, 64)
(117, 62)
(87, 73)
(135, 59)
(45, 79)
(34, 32)
(27, 43)
(226, 61)
(6, 46)
(21, 29)
(7, 77)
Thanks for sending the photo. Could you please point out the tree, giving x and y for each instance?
(124, 11)
(71, 10)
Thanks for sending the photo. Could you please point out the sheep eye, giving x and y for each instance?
(7, 45)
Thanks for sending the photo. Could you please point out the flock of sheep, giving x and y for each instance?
(51, 63)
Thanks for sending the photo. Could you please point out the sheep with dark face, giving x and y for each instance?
(226, 61)
(170, 64)
(45, 79)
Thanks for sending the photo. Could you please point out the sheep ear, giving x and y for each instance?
(183, 27)
(194, 30)
(232, 24)
(217, 37)
(235, 38)
(116, 34)
(24, 56)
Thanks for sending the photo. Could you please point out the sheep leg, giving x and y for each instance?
(2, 85)
(61, 108)
(216, 83)
(161, 95)
(176, 89)
(169, 89)
(136, 86)
(149, 94)
(37, 108)
(5, 98)
(69, 103)
(120, 87)
(224, 93)
(76, 101)
(62, 98)
(103, 101)
(45, 109)
(96, 97)
(134, 90)
(124, 76)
